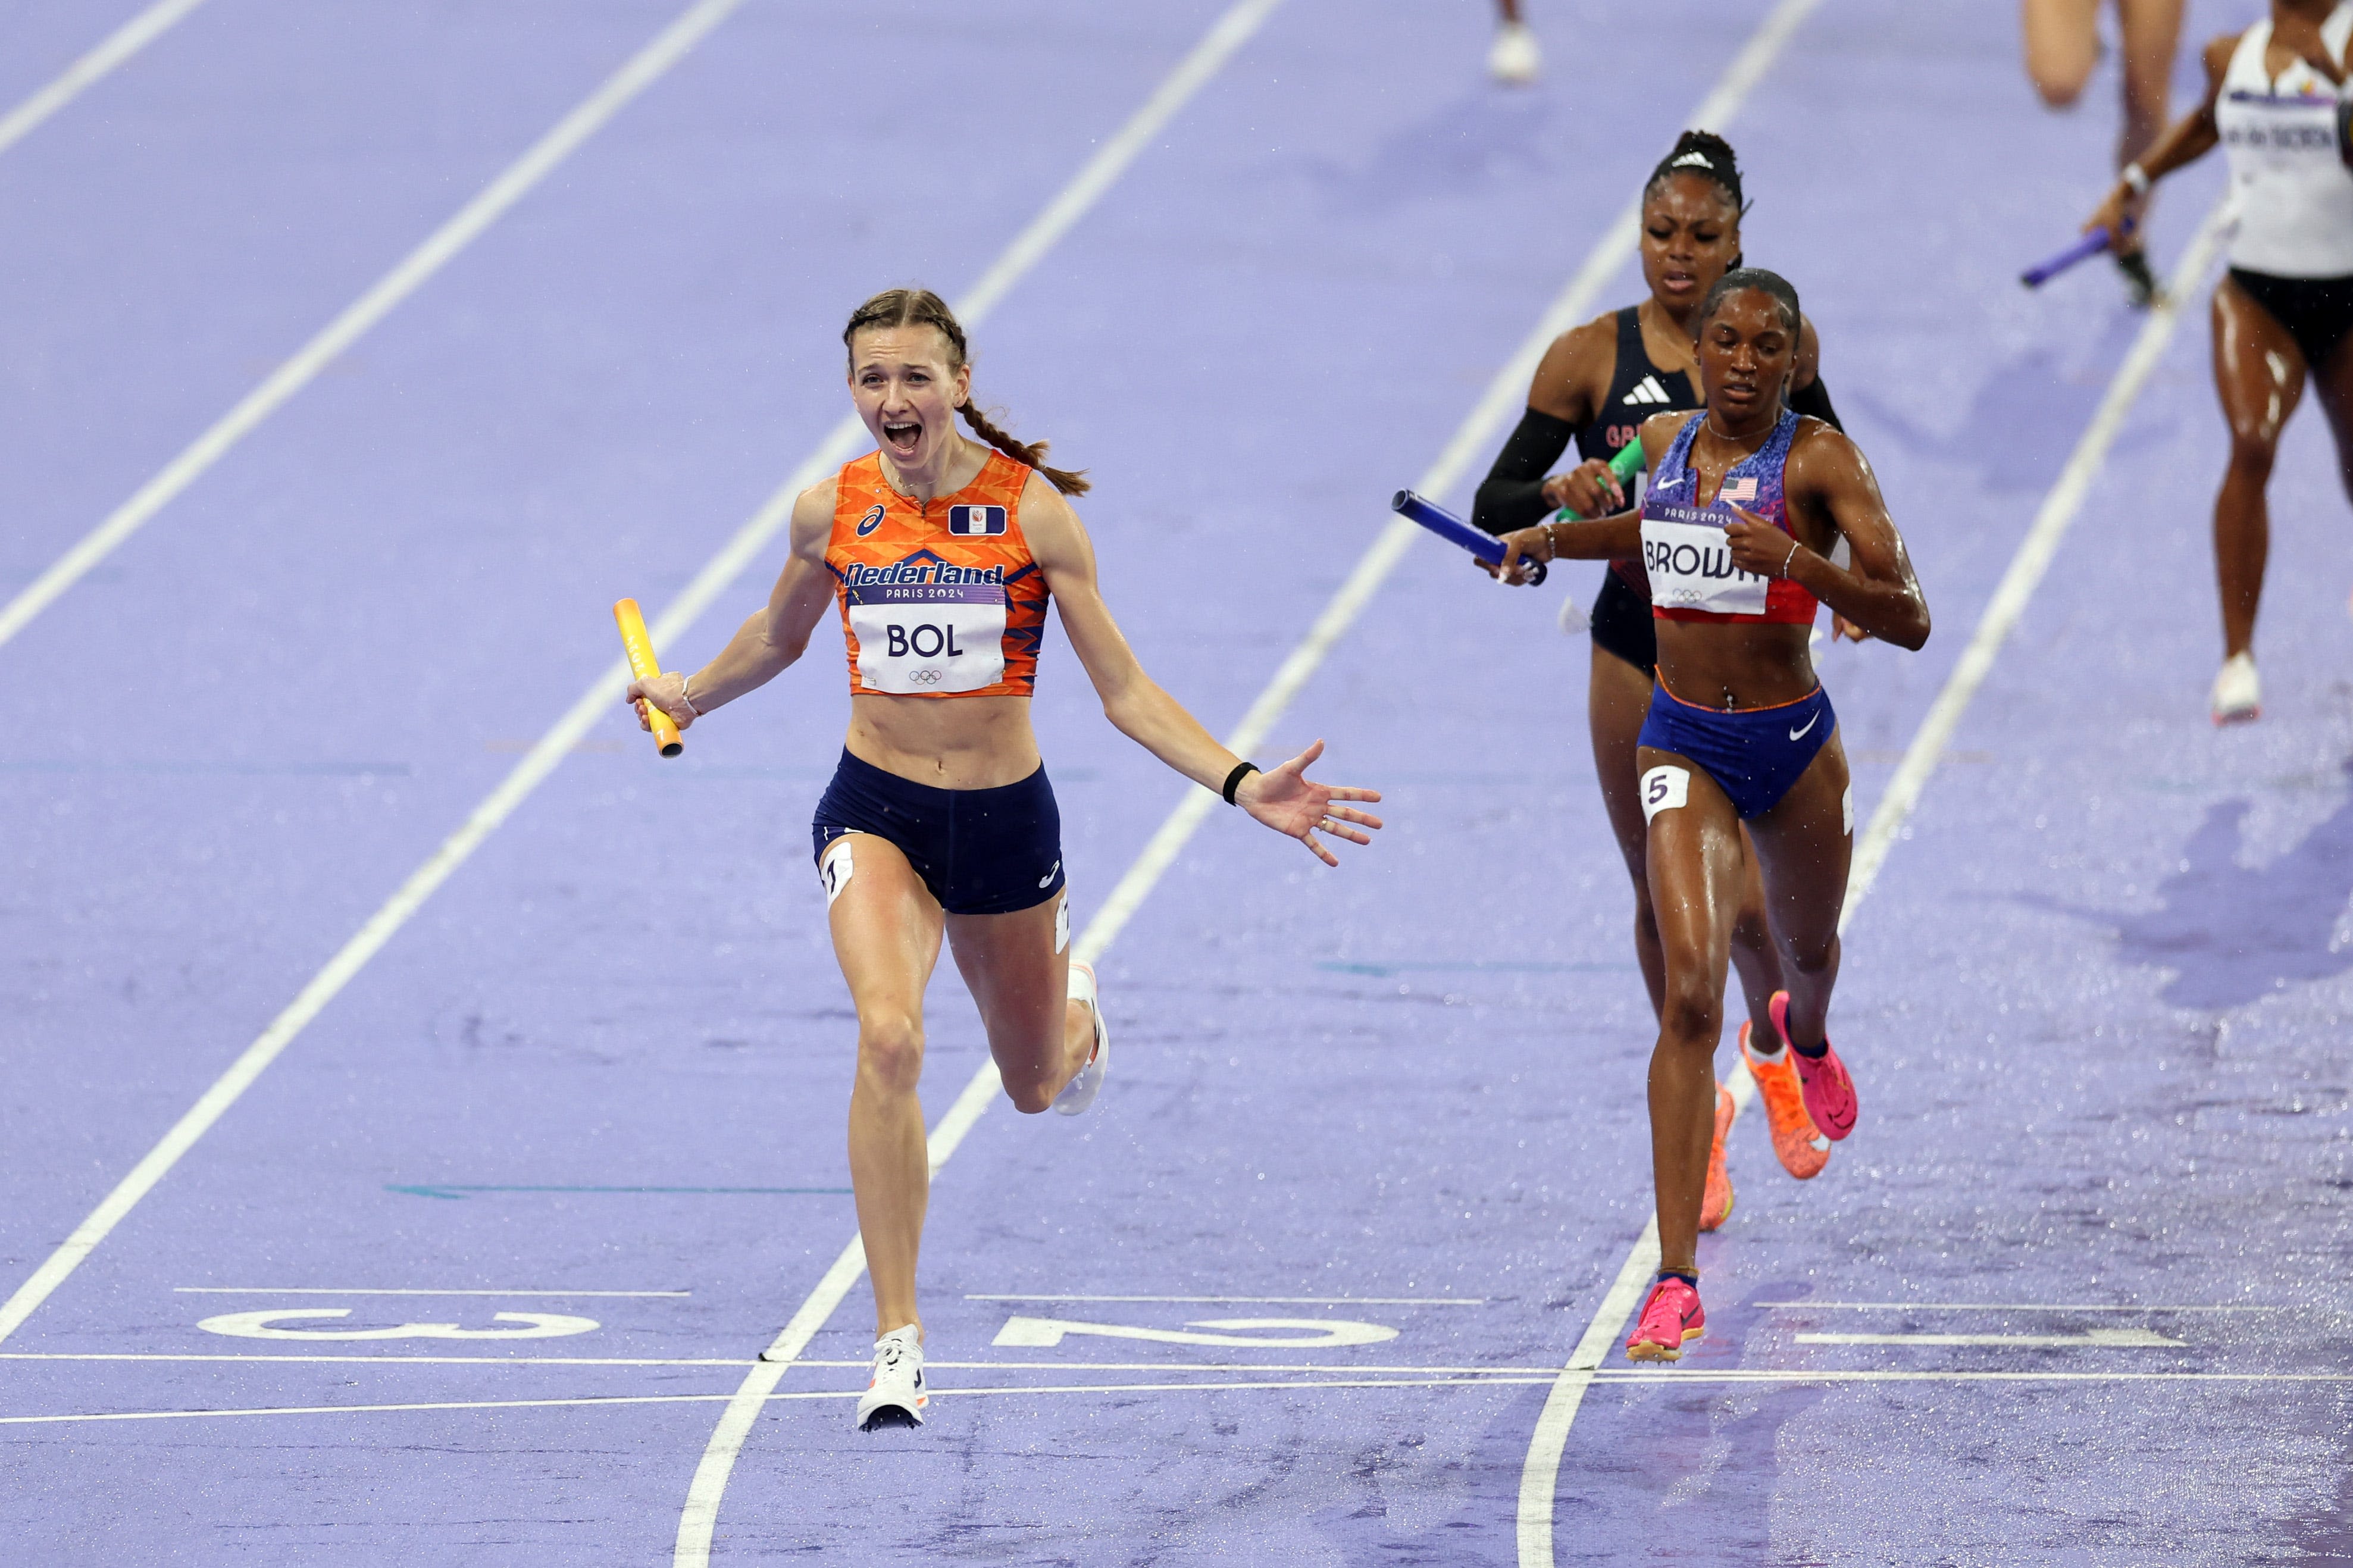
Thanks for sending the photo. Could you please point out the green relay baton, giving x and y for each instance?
(1623, 466)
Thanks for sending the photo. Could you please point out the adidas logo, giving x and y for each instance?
(1647, 390)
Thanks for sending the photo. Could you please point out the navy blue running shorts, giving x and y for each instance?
(980, 851)
(1754, 754)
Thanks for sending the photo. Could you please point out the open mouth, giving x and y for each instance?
(902, 437)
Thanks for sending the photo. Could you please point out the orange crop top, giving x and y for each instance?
(939, 598)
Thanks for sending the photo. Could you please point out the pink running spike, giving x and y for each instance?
(1828, 1087)
(1671, 1320)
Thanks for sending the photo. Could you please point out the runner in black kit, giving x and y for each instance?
(1596, 386)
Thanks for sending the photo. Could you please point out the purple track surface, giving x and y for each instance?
(2096, 1005)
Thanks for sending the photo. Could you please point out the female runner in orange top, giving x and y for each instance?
(942, 553)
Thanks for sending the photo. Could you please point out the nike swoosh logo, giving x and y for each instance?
(1801, 734)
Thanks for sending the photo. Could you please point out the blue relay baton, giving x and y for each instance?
(1454, 530)
(2084, 249)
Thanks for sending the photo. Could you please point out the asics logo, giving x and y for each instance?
(869, 523)
(1050, 875)
(1800, 734)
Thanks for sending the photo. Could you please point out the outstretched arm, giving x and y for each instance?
(1285, 799)
(767, 642)
(2185, 141)
(1833, 493)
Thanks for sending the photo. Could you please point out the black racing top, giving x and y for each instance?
(1637, 389)
(1511, 497)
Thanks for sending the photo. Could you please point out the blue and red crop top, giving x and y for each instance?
(1692, 577)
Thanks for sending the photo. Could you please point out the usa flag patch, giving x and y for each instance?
(971, 521)
(1738, 489)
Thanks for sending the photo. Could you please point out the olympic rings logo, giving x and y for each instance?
(925, 676)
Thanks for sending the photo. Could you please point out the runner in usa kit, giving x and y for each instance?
(942, 554)
(1747, 502)
(1596, 386)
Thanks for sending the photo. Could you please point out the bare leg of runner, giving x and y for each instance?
(1617, 697)
(2259, 375)
(1695, 872)
(1805, 845)
(1039, 1036)
(886, 936)
(2062, 45)
(2152, 33)
(2334, 384)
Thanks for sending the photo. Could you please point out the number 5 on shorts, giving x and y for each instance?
(1664, 788)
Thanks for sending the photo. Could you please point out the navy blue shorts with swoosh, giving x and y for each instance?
(1754, 754)
(980, 851)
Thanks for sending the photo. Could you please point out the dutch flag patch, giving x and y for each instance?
(968, 521)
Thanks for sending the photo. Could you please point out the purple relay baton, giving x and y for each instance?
(2084, 249)
(1454, 530)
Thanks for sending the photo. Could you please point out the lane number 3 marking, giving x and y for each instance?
(524, 1326)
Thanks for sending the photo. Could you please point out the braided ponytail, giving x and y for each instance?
(921, 308)
(1070, 481)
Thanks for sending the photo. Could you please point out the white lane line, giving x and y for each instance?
(1173, 1368)
(2090, 1339)
(513, 183)
(1266, 1301)
(323, 1291)
(1536, 1379)
(1551, 1434)
(390, 1360)
(2003, 1306)
(118, 46)
(599, 701)
(377, 1409)
(1539, 1476)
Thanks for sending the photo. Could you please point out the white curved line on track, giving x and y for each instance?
(1455, 462)
(1539, 1475)
(414, 270)
(1288, 1386)
(118, 46)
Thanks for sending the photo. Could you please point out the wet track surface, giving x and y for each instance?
(2095, 1003)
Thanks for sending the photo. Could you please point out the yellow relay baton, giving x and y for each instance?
(646, 667)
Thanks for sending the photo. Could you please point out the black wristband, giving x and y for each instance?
(1234, 780)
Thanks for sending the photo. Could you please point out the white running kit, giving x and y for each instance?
(2292, 193)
